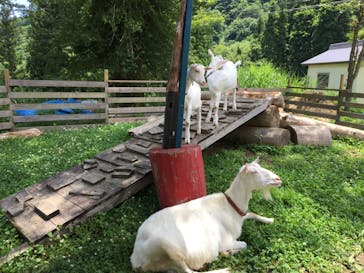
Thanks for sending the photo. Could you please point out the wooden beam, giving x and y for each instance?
(56, 95)
(52, 83)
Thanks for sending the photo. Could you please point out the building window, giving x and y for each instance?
(323, 80)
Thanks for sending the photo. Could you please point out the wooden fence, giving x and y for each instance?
(48, 105)
(336, 105)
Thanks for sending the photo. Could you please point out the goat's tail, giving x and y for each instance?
(237, 63)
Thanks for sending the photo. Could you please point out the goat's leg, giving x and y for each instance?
(199, 117)
(225, 102)
(237, 247)
(216, 109)
(188, 125)
(234, 99)
(251, 215)
(209, 114)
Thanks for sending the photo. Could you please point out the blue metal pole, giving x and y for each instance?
(183, 70)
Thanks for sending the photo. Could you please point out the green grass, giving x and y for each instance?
(318, 210)
(265, 75)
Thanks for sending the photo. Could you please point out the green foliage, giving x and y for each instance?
(7, 34)
(318, 210)
(130, 38)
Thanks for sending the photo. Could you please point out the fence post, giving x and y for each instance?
(106, 81)
(8, 89)
(288, 89)
(340, 99)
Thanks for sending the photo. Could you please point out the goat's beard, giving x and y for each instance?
(266, 194)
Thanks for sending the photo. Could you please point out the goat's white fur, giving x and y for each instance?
(185, 237)
(193, 103)
(222, 77)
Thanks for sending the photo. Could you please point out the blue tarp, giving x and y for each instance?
(65, 111)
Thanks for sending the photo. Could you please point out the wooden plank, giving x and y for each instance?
(128, 119)
(312, 96)
(314, 88)
(56, 95)
(352, 115)
(352, 94)
(137, 99)
(31, 225)
(137, 81)
(56, 83)
(4, 101)
(64, 178)
(350, 124)
(137, 89)
(146, 127)
(2, 89)
(216, 136)
(5, 125)
(37, 118)
(314, 105)
(310, 113)
(5, 114)
(46, 106)
(134, 110)
(352, 104)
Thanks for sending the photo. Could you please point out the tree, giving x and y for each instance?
(8, 35)
(356, 55)
(77, 39)
(275, 38)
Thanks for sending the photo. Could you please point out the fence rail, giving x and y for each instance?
(28, 103)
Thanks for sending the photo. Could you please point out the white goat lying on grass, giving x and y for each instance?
(185, 237)
(222, 77)
(193, 103)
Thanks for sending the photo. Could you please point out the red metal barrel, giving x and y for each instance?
(178, 174)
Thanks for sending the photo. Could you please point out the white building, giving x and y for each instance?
(325, 69)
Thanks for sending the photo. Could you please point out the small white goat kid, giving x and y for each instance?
(222, 77)
(193, 103)
(185, 237)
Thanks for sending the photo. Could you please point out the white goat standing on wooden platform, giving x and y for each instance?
(193, 103)
(185, 237)
(222, 77)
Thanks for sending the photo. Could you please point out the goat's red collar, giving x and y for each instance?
(235, 207)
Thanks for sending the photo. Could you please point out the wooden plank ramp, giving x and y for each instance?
(108, 179)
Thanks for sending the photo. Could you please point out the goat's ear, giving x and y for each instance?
(210, 53)
(247, 168)
(256, 160)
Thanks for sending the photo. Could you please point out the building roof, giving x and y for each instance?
(337, 53)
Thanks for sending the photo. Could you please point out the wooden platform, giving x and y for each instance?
(110, 178)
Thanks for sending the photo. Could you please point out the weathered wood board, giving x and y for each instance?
(110, 178)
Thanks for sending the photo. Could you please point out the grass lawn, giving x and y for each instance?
(318, 211)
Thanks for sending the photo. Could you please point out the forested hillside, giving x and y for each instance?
(77, 39)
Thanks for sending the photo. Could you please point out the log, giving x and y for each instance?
(33, 132)
(318, 135)
(260, 135)
(336, 130)
(269, 118)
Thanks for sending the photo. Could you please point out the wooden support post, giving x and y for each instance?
(8, 89)
(106, 81)
(341, 96)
